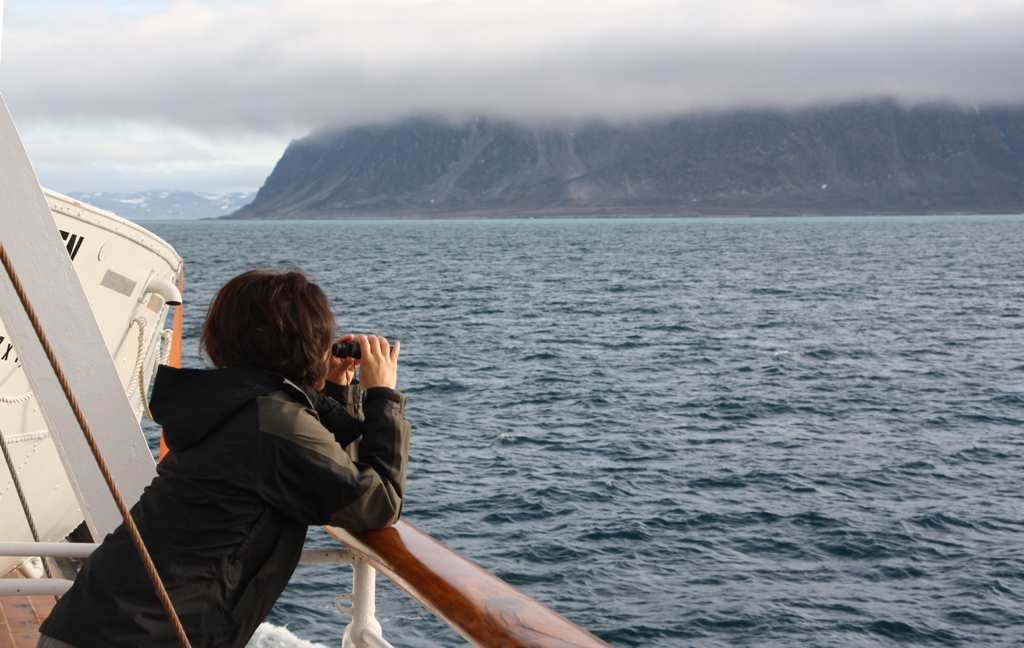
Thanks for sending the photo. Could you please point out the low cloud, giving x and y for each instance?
(133, 157)
(280, 69)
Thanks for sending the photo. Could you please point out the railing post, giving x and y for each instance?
(365, 630)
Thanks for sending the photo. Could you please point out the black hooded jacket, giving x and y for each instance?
(254, 460)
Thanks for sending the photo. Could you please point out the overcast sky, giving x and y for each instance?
(204, 95)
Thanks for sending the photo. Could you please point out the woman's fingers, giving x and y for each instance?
(378, 345)
(379, 366)
(341, 371)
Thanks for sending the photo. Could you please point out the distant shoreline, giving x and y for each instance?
(556, 214)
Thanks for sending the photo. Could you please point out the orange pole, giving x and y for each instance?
(174, 360)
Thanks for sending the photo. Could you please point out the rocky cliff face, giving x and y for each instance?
(854, 159)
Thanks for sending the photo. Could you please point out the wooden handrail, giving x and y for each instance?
(485, 610)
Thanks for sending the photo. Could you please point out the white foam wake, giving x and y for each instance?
(272, 636)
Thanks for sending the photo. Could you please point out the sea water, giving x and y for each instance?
(705, 432)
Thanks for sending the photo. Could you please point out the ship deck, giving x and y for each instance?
(20, 617)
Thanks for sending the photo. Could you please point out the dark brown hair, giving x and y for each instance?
(274, 319)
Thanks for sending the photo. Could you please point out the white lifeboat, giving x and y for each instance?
(130, 278)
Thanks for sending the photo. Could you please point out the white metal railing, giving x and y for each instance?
(49, 549)
(41, 586)
(363, 632)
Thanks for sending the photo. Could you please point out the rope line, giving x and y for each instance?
(28, 457)
(166, 336)
(165, 354)
(140, 357)
(14, 400)
(138, 379)
(129, 522)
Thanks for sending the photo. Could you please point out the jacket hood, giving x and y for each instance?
(191, 403)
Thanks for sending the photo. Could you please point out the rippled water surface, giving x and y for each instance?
(744, 432)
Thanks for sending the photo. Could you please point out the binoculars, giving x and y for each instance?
(345, 350)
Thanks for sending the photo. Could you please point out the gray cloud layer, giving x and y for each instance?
(281, 68)
(302, 64)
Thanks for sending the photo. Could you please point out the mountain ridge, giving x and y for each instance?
(164, 203)
(866, 158)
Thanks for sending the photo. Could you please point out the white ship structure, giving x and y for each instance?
(129, 277)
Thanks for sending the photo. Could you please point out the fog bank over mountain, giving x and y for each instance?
(204, 95)
(865, 158)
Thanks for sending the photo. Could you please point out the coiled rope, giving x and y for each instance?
(140, 359)
(166, 337)
(14, 400)
(138, 379)
(129, 522)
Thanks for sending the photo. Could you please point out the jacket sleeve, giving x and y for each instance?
(347, 396)
(306, 473)
(340, 411)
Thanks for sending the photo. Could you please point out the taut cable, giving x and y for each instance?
(129, 522)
